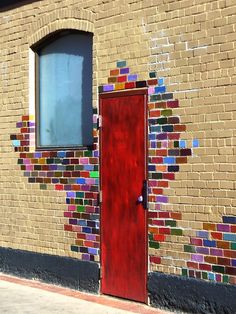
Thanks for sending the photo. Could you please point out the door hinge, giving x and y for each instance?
(99, 122)
(101, 271)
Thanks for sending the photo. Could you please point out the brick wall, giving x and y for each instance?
(191, 50)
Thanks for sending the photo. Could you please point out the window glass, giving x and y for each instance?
(65, 92)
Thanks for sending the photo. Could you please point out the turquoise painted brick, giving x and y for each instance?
(16, 143)
(121, 64)
(229, 237)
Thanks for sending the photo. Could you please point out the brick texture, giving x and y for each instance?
(184, 53)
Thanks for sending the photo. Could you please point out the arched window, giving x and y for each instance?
(64, 91)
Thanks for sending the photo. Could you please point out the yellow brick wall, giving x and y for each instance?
(191, 45)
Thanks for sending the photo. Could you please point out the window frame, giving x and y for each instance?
(36, 48)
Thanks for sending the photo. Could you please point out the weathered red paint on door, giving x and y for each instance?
(123, 219)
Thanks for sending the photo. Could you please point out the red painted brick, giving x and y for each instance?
(206, 267)
(216, 235)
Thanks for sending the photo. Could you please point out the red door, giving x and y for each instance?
(123, 175)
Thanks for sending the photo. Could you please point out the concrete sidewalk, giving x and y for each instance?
(21, 296)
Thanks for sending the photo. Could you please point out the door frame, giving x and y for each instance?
(144, 92)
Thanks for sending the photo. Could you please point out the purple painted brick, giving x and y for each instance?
(85, 188)
(108, 88)
(37, 155)
(202, 250)
(70, 194)
(19, 124)
(216, 252)
(85, 257)
(162, 136)
(132, 77)
(197, 258)
(162, 199)
(92, 251)
(96, 153)
(52, 167)
(91, 237)
(73, 221)
(124, 71)
(223, 227)
(203, 234)
(31, 123)
(218, 277)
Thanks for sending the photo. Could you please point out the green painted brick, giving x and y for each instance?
(80, 194)
(154, 245)
(150, 236)
(225, 279)
(176, 232)
(218, 269)
(171, 223)
(152, 74)
(43, 187)
(204, 275)
(74, 248)
(233, 246)
(166, 113)
(189, 248)
(80, 209)
(88, 153)
(94, 174)
(184, 272)
(162, 121)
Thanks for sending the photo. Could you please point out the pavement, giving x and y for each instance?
(22, 296)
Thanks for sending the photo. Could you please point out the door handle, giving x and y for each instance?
(144, 197)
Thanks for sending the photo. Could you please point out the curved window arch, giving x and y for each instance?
(64, 91)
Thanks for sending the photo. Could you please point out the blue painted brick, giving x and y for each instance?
(182, 143)
(151, 168)
(88, 167)
(80, 181)
(211, 276)
(167, 128)
(152, 136)
(61, 154)
(233, 262)
(161, 81)
(229, 237)
(86, 230)
(203, 234)
(209, 243)
(169, 160)
(229, 219)
(195, 143)
(160, 89)
(82, 223)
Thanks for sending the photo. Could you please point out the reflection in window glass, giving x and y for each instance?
(65, 91)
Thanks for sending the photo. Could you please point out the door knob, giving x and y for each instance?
(140, 199)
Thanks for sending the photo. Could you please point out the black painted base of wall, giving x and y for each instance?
(191, 295)
(65, 271)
